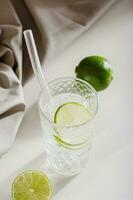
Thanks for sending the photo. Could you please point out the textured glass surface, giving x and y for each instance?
(67, 147)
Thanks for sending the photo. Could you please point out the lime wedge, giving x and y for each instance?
(71, 114)
(31, 185)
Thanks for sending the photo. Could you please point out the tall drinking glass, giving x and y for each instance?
(67, 146)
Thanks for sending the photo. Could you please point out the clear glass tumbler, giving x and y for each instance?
(67, 147)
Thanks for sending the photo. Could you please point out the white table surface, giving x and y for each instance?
(109, 172)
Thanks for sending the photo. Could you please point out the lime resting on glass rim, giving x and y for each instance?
(96, 70)
(31, 185)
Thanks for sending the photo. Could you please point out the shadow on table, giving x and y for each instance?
(31, 119)
(38, 163)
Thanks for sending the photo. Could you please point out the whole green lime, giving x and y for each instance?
(96, 70)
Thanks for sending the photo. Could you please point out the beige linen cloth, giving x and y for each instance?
(56, 24)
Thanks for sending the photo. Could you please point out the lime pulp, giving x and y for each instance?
(31, 185)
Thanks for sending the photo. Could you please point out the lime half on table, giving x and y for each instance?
(31, 185)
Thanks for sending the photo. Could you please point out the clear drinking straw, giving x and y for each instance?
(32, 50)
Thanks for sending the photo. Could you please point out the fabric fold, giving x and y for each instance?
(61, 22)
(11, 93)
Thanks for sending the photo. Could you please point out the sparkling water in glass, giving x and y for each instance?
(67, 146)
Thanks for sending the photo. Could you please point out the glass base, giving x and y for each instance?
(64, 168)
(67, 162)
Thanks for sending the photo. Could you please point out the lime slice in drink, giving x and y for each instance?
(31, 185)
(71, 114)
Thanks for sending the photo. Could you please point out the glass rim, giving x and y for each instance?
(69, 126)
